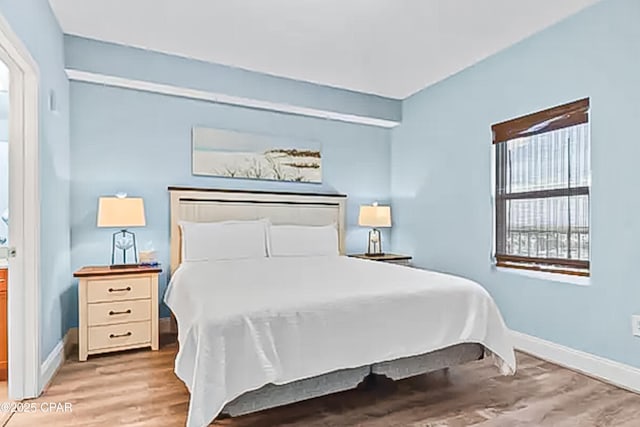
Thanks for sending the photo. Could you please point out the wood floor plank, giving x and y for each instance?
(139, 389)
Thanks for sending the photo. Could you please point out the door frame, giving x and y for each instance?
(23, 289)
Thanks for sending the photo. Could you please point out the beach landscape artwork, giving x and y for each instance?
(232, 154)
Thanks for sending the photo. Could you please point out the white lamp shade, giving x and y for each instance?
(375, 216)
(121, 212)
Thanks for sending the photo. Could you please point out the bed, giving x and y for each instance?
(263, 332)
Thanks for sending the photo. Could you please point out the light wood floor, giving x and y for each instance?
(139, 389)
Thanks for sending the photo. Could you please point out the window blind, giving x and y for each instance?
(543, 180)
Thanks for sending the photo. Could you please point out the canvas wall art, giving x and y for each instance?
(232, 154)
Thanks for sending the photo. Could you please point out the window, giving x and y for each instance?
(543, 180)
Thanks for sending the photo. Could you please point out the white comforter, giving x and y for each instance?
(246, 323)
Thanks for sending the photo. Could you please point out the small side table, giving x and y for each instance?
(118, 309)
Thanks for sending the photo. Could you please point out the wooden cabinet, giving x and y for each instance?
(3, 324)
(118, 309)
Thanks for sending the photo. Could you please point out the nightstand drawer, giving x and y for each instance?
(108, 313)
(122, 335)
(119, 289)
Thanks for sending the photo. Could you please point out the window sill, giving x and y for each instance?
(544, 275)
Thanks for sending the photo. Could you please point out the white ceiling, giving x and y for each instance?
(392, 48)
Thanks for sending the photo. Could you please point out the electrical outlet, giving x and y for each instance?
(635, 325)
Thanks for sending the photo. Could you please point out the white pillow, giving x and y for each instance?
(302, 240)
(211, 241)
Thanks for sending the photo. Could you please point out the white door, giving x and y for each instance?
(5, 251)
(23, 290)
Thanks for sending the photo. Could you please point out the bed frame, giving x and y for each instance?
(210, 205)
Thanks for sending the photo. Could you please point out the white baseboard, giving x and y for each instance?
(56, 358)
(51, 364)
(615, 373)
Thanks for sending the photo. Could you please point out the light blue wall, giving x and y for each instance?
(441, 175)
(117, 60)
(140, 143)
(34, 23)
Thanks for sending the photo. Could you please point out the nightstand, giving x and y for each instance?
(390, 258)
(118, 309)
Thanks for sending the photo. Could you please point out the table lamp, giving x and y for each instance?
(121, 212)
(374, 216)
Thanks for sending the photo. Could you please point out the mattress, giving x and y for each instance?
(243, 324)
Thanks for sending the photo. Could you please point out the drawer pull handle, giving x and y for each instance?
(128, 334)
(113, 313)
(127, 289)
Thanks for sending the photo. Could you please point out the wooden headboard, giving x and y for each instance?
(211, 205)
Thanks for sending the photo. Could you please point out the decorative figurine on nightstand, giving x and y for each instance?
(148, 256)
(374, 216)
